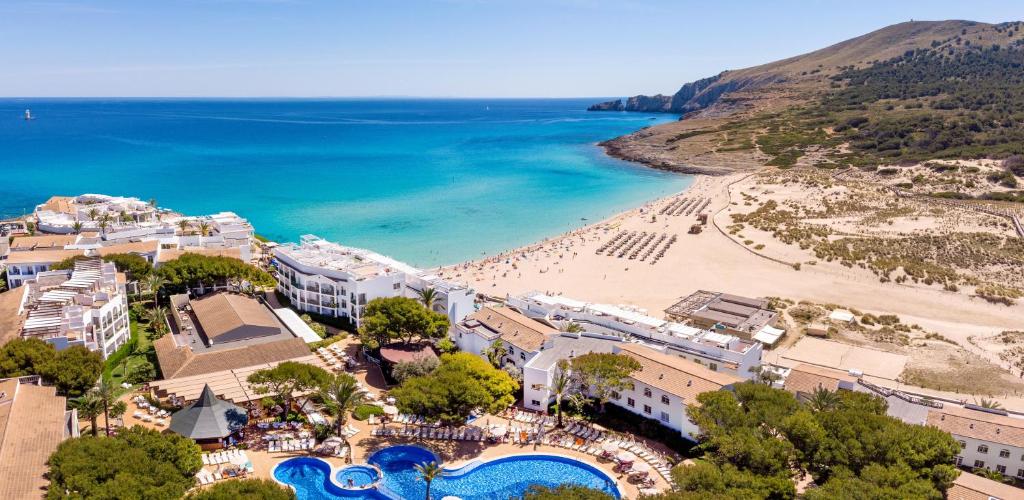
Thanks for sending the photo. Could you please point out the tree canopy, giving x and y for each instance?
(137, 463)
(756, 438)
(133, 265)
(73, 371)
(389, 319)
(192, 270)
(602, 373)
(287, 378)
(463, 382)
(244, 489)
(564, 492)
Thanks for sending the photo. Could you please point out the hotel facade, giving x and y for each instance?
(327, 278)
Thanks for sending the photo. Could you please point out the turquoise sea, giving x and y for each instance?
(429, 181)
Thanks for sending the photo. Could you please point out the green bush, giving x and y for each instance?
(363, 412)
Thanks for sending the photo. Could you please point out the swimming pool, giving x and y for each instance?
(503, 477)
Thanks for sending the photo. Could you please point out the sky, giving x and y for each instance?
(438, 48)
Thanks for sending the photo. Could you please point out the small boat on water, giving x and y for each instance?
(28, 115)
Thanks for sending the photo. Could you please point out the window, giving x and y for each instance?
(1020, 473)
(522, 356)
(664, 399)
(1001, 469)
(963, 444)
(982, 448)
(647, 392)
(647, 409)
(664, 416)
(630, 403)
(713, 366)
(396, 286)
(616, 395)
(979, 464)
(1004, 453)
(534, 402)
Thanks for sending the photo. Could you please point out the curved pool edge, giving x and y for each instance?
(330, 476)
(476, 463)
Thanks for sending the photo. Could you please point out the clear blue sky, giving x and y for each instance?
(459, 48)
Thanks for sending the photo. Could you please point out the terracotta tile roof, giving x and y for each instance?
(673, 374)
(171, 254)
(512, 327)
(182, 362)
(231, 316)
(805, 378)
(32, 425)
(61, 204)
(132, 247)
(50, 241)
(10, 320)
(979, 425)
(41, 256)
(971, 487)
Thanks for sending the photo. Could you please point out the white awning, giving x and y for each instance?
(768, 335)
(296, 325)
(628, 315)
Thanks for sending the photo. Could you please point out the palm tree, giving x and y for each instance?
(204, 228)
(118, 409)
(823, 400)
(340, 396)
(104, 222)
(89, 406)
(990, 404)
(105, 392)
(574, 327)
(92, 214)
(495, 352)
(155, 282)
(560, 384)
(428, 296)
(152, 202)
(76, 227)
(183, 225)
(428, 472)
(157, 321)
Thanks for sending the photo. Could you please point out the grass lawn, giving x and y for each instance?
(117, 367)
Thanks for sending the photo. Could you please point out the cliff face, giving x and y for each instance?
(615, 105)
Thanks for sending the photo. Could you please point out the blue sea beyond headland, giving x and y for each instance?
(431, 181)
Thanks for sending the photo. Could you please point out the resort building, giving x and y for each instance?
(744, 317)
(60, 214)
(224, 331)
(989, 439)
(662, 387)
(24, 265)
(326, 278)
(803, 380)
(87, 306)
(523, 338)
(33, 422)
(969, 486)
(717, 351)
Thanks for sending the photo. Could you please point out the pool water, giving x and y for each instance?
(507, 477)
(359, 475)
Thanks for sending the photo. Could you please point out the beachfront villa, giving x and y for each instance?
(522, 337)
(717, 351)
(326, 278)
(87, 306)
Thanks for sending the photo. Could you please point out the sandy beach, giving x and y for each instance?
(572, 265)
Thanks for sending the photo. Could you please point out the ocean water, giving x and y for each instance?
(431, 182)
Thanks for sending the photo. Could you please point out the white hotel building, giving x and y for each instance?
(87, 307)
(989, 439)
(716, 351)
(662, 388)
(334, 280)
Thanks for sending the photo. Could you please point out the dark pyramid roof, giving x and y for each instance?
(208, 418)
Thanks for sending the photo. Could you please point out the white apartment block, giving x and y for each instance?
(523, 338)
(661, 389)
(87, 307)
(716, 351)
(989, 439)
(334, 280)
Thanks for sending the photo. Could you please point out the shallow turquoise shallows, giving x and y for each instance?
(428, 181)
(505, 477)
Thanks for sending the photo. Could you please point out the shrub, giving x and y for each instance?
(363, 412)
